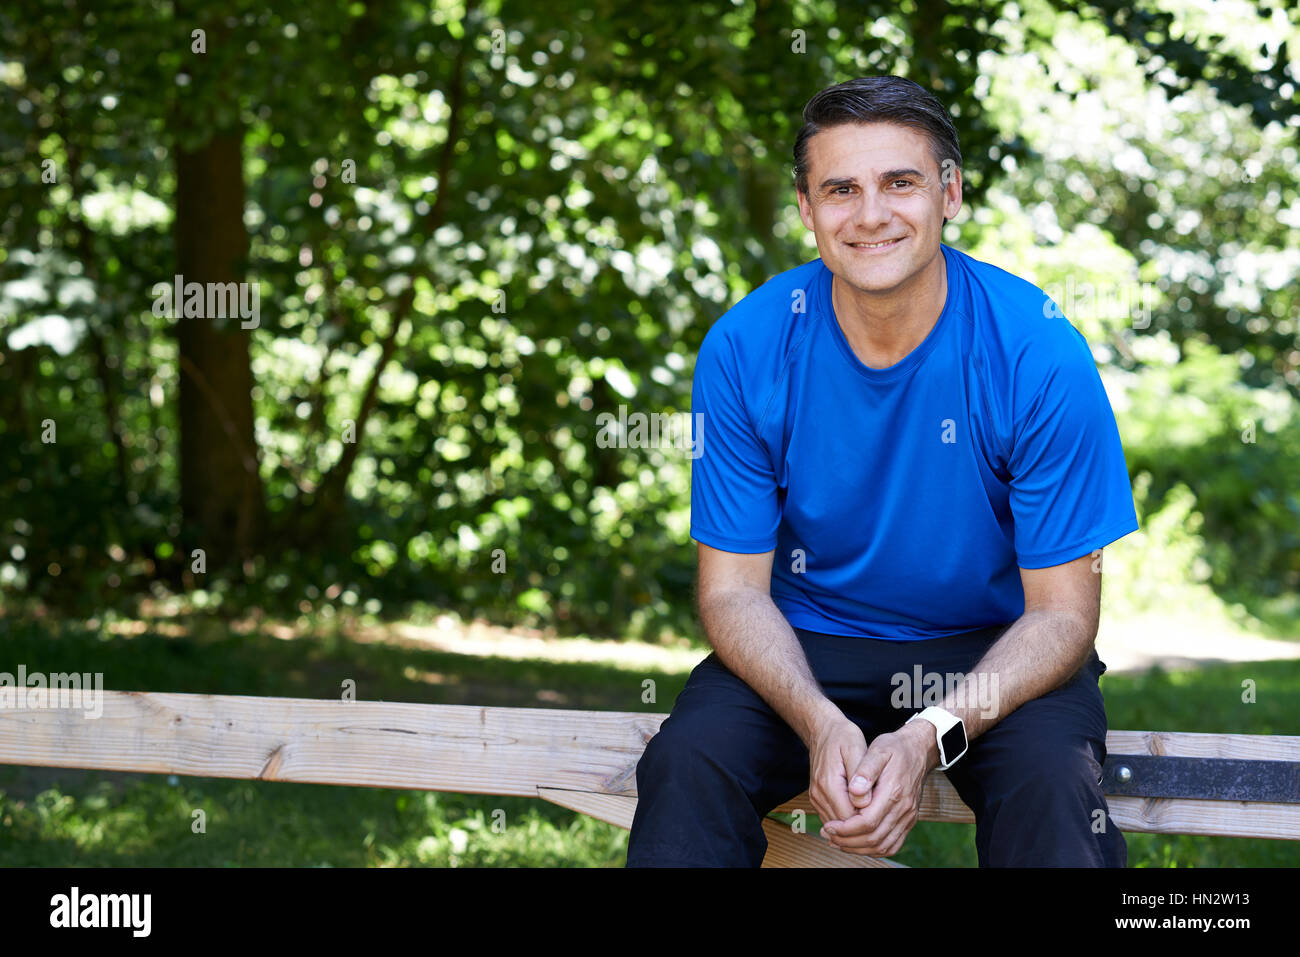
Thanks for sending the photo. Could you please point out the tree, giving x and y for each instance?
(476, 229)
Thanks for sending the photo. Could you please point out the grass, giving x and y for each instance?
(59, 817)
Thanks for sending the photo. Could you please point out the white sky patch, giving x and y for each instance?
(619, 381)
(1157, 349)
(76, 290)
(57, 332)
(707, 250)
(576, 257)
(124, 210)
(646, 271)
(30, 288)
(399, 384)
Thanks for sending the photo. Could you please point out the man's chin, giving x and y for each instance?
(873, 280)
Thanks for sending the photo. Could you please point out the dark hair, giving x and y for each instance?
(876, 99)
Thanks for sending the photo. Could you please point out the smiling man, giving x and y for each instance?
(912, 469)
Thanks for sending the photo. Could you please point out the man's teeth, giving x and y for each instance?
(887, 242)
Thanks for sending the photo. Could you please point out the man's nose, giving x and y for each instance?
(873, 210)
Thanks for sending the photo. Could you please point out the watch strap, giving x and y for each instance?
(942, 721)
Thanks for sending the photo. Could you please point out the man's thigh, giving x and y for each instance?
(721, 760)
(722, 720)
(1032, 781)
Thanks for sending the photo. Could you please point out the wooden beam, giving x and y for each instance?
(939, 802)
(785, 848)
(1207, 818)
(616, 809)
(1186, 744)
(458, 748)
(509, 751)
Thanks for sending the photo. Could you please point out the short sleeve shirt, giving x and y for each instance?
(901, 502)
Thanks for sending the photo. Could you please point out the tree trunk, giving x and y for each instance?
(221, 488)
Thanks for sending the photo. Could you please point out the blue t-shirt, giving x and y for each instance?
(901, 502)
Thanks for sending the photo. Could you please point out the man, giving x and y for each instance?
(910, 473)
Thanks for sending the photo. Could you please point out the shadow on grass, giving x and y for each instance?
(211, 660)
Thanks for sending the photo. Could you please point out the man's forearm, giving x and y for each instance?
(754, 640)
(1040, 652)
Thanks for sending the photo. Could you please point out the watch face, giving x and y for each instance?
(954, 742)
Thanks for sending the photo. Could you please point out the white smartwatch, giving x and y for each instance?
(950, 732)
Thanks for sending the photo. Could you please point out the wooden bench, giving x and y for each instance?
(1167, 783)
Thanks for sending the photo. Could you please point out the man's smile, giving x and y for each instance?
(880, 246)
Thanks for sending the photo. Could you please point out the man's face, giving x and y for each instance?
(873, 182)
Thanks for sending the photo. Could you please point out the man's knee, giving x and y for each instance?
(1047, 768)
(1043, 779)
(691, 752)
(693, 803)
(674, 748)
(1048, 809)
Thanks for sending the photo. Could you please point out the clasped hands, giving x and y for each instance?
(869, 797)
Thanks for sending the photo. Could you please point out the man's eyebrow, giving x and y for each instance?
(899, 173)
(885, 177)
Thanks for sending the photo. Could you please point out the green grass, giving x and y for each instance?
(56, 817)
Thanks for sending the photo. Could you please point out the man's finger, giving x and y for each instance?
(886, 847)
(860, 791)
(880, 843)
(863, 778)
(835, 791)
(886, 802)
(877, 838)
(873, 763)
(860, 831)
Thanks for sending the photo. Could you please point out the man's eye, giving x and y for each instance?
(905, 182)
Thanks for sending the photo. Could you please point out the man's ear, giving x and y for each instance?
(801, 199)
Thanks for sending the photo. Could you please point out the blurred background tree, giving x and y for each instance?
(475, 227)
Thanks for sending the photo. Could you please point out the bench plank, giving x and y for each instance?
(785, 848)
(616, 809)
(458, 748)
(509, 751)
(1206, 818)
(939, 802)
(1191, 744)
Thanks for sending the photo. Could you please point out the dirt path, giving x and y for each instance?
(1132, 645)
(1178, 642)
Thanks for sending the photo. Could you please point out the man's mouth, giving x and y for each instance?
(883, 244)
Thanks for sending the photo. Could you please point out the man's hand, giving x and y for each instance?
(838, 748)
(885, 791)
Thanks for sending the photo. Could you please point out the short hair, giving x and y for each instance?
(877, 99)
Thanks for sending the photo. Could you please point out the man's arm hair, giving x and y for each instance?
(1042, 650)
(753, 639)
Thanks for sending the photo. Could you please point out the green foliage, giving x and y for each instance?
(1193, 428)
(476, 229)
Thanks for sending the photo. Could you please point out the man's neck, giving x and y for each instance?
(883, 330)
